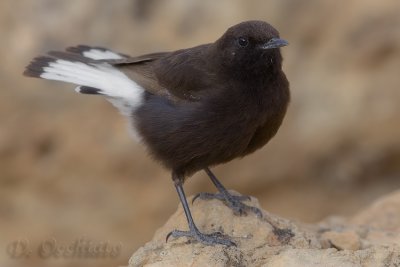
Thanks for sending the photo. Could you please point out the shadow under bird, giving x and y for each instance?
(192, 108)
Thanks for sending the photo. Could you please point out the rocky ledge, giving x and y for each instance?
(369, 238)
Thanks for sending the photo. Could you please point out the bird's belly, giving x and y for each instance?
(188, 139)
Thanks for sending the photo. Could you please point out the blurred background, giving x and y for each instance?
(69, 170)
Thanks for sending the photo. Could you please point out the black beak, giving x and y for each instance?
(274, 43)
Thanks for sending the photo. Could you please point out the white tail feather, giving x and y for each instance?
(101, 54)
(119, 89)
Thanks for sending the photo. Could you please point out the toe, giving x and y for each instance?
(208, 196)
(216, 238)
(240, 198)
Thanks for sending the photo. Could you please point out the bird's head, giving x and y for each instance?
(250, 46)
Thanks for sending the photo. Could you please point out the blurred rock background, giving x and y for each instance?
(68, 168)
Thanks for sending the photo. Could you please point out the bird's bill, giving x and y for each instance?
(274, 43)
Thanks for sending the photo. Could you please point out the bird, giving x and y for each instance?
(192, 108)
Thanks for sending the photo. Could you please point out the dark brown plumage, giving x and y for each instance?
(193, 108)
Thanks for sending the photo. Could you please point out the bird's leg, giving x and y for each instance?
(194, 233)
(232, 201)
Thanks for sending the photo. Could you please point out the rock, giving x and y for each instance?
(274, 241)
(342, 240)
(384, 213)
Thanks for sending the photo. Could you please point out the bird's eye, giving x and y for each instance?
(243, 42)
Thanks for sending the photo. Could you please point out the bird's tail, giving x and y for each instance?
(87, 67)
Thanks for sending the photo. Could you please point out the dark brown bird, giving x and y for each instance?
(193, 108)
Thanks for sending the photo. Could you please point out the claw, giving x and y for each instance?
(195, 197)
(215, 238)
(167, 237)
(205, 195)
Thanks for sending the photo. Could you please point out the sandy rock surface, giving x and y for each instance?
(370, 238)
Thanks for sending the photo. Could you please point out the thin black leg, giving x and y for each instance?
(207, 239)
(232, 201)
(220, 187)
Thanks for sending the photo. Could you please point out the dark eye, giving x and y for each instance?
(243, 42)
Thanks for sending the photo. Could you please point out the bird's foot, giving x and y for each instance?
(232, 201)
(216, 238)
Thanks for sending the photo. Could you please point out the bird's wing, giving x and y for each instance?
(182, 75)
